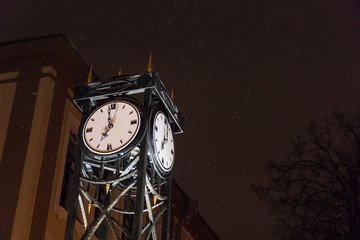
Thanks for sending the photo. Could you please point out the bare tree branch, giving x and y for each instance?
(316, 189)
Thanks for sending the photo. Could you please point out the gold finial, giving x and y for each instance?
(120, 72)
(155, 199)
(107, 188)
(89, 208)
(89, 78)
(172, 94)
(150, 65)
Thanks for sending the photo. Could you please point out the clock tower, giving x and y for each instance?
(122, 175)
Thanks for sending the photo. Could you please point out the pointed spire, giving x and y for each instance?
(154, 197)
(89, 208)
(150, 65)
(89, 78)
(120, 72)
(107, 188)
(172, 94)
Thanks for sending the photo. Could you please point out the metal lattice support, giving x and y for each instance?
(121, 180)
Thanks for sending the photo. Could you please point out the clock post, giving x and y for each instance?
(122, 176)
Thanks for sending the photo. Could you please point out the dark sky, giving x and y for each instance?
(247, 75)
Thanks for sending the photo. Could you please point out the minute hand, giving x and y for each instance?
(110, 125)
(167, 132)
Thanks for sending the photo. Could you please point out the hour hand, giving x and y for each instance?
(105, 134)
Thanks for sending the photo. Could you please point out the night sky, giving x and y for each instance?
(247, 76)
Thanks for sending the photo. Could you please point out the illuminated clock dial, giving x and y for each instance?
(163, 144)
(111, 127)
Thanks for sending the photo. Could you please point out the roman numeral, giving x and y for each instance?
(113, 106)
(133, 122)
(109, 147)
(89, 129)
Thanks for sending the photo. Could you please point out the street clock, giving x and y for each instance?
(126, 149)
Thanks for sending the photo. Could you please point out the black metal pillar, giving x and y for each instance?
(141, 168)
(166, 216)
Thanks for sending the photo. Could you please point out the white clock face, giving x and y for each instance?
(111, 127)
(163, 142)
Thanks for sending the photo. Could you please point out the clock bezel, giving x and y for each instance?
(113, 155)
(162, 172)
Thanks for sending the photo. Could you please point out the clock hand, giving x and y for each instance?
(105, 134)
(110, 125)
(114, 117)
(167, 132)
(163, 142)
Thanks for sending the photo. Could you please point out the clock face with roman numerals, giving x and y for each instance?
(163, 143)
(111, 127)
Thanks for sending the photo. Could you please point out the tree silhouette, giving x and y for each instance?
(316, 190)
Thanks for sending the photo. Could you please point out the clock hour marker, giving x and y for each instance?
(90, 139)
(89, 129)
(172, 152)
(123, 107)
(130, 132)
(131, 112)
(113, 106)
(93, 119)
(156, 128)
(98, 145)
(101, 110)
(109, 147)
(133, 122)
(121, 141)
(162, 160)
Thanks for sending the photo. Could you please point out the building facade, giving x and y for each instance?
(38, 131)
